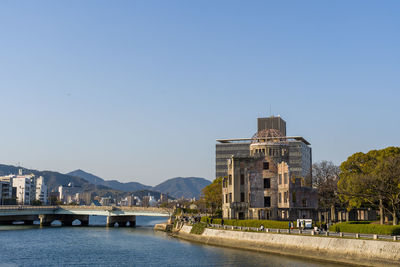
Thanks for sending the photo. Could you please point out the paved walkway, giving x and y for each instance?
(305, 232)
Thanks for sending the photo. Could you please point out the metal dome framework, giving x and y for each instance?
(268, 135)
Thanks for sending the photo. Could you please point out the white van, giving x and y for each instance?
(304, 223)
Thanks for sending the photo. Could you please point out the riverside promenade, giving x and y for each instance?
(123, 216)
(367, 252)
(308, 232)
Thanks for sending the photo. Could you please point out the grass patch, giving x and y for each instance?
(198, 228)
(251, 223)
(365, 228)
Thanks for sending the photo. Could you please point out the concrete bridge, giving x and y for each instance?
(124, 216)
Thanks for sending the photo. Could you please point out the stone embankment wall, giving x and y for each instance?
(163, 227)
(353, 251)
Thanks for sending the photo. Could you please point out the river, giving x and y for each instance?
(97, 245)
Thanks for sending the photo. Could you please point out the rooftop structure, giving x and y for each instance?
(248, 140)
(276, 123)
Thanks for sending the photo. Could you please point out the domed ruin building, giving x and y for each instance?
(269, 177)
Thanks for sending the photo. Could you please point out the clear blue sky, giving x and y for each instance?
(140, 90)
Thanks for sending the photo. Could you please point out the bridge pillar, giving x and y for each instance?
(121, 220)
(132, 222)
(110, 221)
(46, 220)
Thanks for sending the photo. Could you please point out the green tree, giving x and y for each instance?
(372, 179)
(37, 203)
(212, 195)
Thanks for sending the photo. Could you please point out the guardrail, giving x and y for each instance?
(306, 232)
(75, 207)
(24, 207)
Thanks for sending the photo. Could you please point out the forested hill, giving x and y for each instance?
(178, 187)
(187, 187)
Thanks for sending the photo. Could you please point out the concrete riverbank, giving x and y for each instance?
(351, 251)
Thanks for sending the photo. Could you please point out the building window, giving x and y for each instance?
(279, 198)
(267, 201)
(304, 202)
(294, 197)
(286, 177)
(230, 197)
(242, 179)
(280, 178)
(241, 197)
(266, 165)
(267, 183)
(226, 198)
(230, 179)
(285, 197)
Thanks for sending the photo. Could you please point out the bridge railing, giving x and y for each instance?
(76, 207)
(26, 207)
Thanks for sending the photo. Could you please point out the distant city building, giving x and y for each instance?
(164, 198)
(146, 201)
(149, 201)
(138, 202)
(41, 190)
(22, 189)
(86, 198)
(224, 149)
(7, 192)
(25, 189)
(128, 201)
(105, 201)
(70, 193)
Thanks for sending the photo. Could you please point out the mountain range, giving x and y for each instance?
(175, 187)
(178, 187)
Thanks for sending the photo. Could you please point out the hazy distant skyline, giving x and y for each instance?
(140, 90)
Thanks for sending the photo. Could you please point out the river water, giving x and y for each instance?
(97, 245)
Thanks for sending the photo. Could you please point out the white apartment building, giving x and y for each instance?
(25, 189)
(41, 190)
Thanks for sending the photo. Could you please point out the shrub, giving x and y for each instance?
(365, 228)
(251, 223)
(198, 228)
